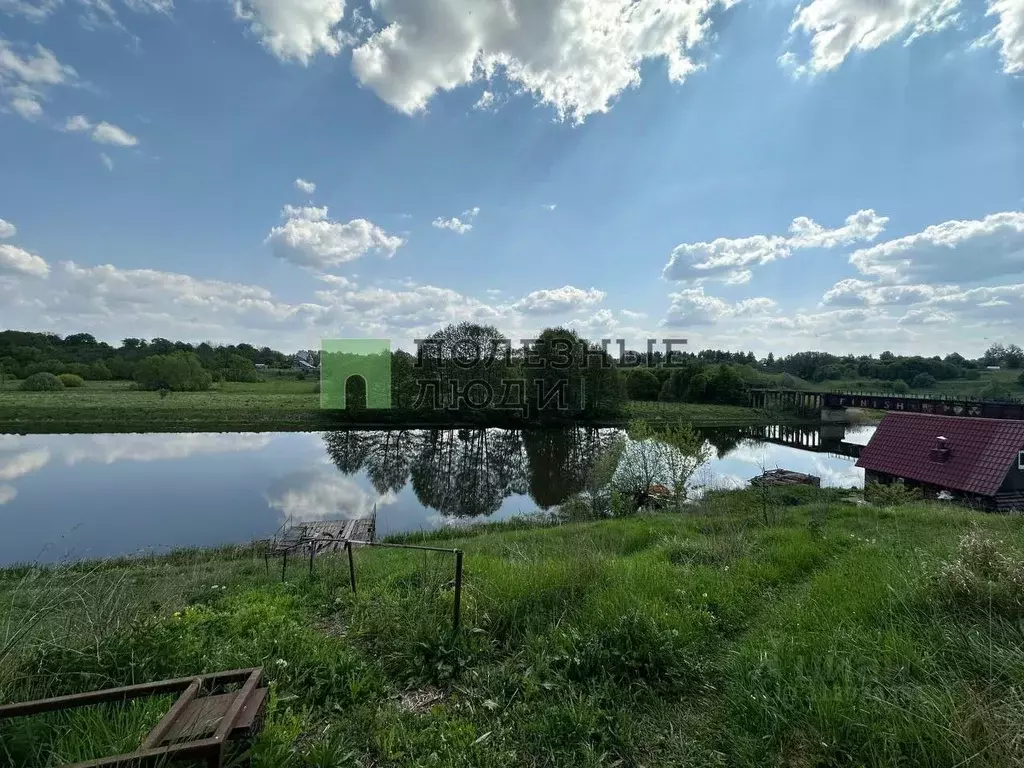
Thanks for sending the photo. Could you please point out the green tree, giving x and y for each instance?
(600, 476)
(564, 377)
(462, 353)
(900, 387)
(994, 355)
(726, 386)
(1020, 380)
(639, 467)
(403, 380)
(178, 372)
(1014, 357)
(683, 452)
(239, 368)
(923, 381)
(678, 385)
(642, 384)
(98, 371)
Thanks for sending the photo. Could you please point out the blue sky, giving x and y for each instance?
(845, 175)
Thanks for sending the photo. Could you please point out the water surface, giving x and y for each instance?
(79, 496)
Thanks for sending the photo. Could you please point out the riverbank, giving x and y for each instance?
(794, 629)
(274, 406)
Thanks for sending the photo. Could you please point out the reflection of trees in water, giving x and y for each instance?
(724, 441)
(470, 472)
(559, 461)
(349, 449)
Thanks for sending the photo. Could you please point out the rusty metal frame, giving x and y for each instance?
(457, 610)
(150, 753)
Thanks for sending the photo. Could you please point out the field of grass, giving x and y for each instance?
(1005, 379)
(795, 630)
(279, 404)
(706, 415)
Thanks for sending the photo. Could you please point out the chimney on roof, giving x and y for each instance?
(942, 451)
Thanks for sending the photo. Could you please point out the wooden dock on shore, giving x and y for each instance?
(330, 535)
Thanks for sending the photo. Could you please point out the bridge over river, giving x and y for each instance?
(832, 405)
(826, 438)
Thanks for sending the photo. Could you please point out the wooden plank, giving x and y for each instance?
(203, 716)
(156, 735)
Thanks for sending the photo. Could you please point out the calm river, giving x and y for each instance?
(81, 496)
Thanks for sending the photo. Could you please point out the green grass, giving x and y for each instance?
(1006, 379)
(706, 415)
(798, 632)
(278, 404)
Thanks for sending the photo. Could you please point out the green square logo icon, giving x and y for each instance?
(344, 362)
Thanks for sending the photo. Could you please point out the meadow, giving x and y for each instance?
(785, 628)
(990, 384)
(277, 404)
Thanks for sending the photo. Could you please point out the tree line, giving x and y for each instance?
(23, 354)
(596, 384)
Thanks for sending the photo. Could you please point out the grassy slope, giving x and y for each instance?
(278, 404)
(824, 638)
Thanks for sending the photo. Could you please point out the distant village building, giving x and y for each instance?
(993, 368)
(976, 461)
(304, 361)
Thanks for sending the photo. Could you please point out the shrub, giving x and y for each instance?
(983, 577)
(42, 382)
(1020, 380)
(71, 380)
(178, 372)
(893, 495)
(923, 381)
(900, 387)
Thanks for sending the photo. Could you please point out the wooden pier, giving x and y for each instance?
(318, 537)
(330, 535)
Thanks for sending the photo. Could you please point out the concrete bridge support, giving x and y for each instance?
(834, 416)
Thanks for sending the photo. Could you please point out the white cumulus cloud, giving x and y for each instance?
(1009, 33)
(27, 74)
(102, 133)
(459, 226)
(27, 107)
(295, 29)
(554, 301)
(310, 238)
(692, 307)
(15, 260)
(836, 28)
(574, 55)
(7, 229)
(305, 186)
(953, 251)
(108, 133)
(730, 259)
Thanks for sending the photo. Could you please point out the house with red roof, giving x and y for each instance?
(977, 461)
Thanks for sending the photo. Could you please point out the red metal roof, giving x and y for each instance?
(982, 451)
